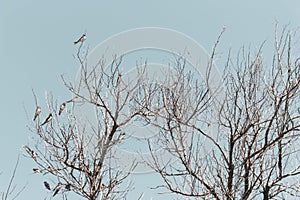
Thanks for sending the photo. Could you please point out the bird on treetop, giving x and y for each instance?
(81, 39)
(61, 108)
(56, 189)
(48, 119)
(37, 112)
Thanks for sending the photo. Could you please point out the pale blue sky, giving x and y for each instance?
(36, 47)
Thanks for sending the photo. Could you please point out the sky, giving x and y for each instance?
(36, 48)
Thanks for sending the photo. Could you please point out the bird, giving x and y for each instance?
(121, 136)
(47, 186)
(51, 169)
(62, 107)
(33, 155)
(81, 39)
(68, 187)
(31, 152)
(37, 112)
(119, 79)
(48, 119)
(56, 189)
(35, 170)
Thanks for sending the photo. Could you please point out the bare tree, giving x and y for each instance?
(252, 128)
(76, 143)
(236, 141)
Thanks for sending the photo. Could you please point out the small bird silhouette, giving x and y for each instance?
(62, 107)
(81, 39)
(56, 189)
(119, 79)
(47, 186)
(51, 169)
(36, 170)
(34, 155)
(31, 152)
(68, 187)
(48, 119)
(121, 136)
(37, 112)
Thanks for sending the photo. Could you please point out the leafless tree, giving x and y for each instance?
(242, 144)
(76, 143)
(235, 141)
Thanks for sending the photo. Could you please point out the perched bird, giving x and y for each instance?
(119, 79)
(121, 136)
(51, 169)
(33, 155)
(56, 189)
(68, 187)
(62, 107)
(31, 152)
(48, 119)
(37, 112)
(81, 39)
(35, 170)
(47, 186)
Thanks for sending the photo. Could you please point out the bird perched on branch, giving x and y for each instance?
(62, 107)
(68, 187)
(48, 119)
(47, 186)
(119, 79)
(36, 170)
(56, 189)
(37, 112)
(81, 39)
(30, 152)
